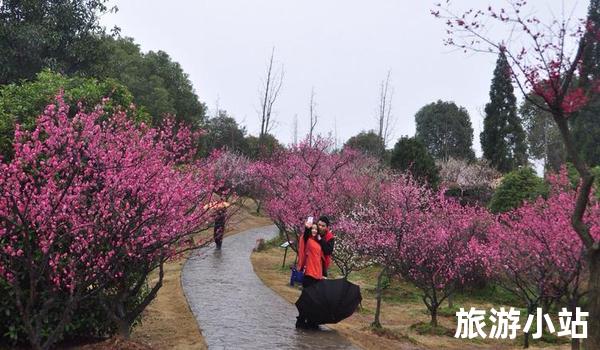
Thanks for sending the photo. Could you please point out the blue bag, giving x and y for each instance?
(297, 276)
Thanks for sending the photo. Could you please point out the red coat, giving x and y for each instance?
(310, 256)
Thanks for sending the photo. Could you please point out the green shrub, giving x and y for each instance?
(23, 103)
(517, 186)
(89, 321)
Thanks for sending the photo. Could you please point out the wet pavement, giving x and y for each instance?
(235, 310)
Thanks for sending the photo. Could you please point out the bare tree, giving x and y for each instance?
(313, 116)
(384, 117)
(217, 107)
(335, 133)
(295, 129)
(268, 95)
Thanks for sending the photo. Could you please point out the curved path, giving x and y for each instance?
(236, 310)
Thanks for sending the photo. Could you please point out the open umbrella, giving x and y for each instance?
(329, 301)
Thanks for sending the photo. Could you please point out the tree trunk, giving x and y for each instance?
(258, 205)
(123, 328)
(526, 341)
(593, 339)
(530, 309)
(574, 344)
(593, 251)
(546, 304)
(450, 301)
(376, 323)
(346, 271)
(434, 320)
(572, 304)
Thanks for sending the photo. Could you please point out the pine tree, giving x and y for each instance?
(503, 138)
(446, 131)
(586, 123)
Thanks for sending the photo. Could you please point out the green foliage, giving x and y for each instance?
(224, 132)
(517, 186)
(23, 103)
(368, 143)
(491, 293)
(11, 331)
(262, 147)
(574, 178)
(410, 154)
(543, 137)
(503, 138)
(585, 124)
(62, 35)
(445, 130)
(89, 320)
(159, 85)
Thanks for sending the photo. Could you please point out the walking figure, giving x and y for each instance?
(219, 231)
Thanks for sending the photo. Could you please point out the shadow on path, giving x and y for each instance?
(235, 310)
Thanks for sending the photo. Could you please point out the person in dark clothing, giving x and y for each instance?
(219, 230)
(327, 240)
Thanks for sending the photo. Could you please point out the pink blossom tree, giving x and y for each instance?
(233, 179)
(308, 180)
(445, 249)
(536, 256)
(377, 225)
(545, 60)
(89, 206)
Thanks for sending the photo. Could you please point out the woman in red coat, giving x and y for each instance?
(310, 256)
(310, 260)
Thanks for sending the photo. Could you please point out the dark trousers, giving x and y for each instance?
(302, 321)
(218, 236)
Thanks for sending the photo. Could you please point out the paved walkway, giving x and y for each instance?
(235, 310)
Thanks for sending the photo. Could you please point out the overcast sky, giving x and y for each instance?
(342, 48)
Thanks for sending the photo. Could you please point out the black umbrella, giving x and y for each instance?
(329, 301)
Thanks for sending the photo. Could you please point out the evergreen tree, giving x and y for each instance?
(159, 84)
(503, 138)
(368, 143)
(586, 123)
(223, 131)
(543, 137)
(445, 130)
(410, 154)
(65, 36)
(262, 147)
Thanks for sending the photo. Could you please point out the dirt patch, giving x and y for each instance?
(396, 317)
(116, 343)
